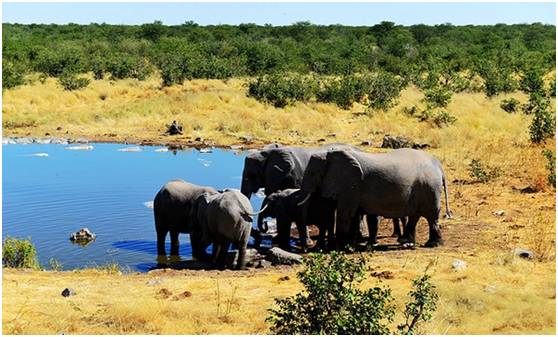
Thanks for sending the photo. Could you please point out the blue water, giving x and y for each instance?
(46, 198)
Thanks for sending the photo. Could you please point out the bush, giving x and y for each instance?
(532, 80)
(282, 89)
(56, 61)
(497, 79)
(19, 253)
(543, 124)
(121, 66)
(333, 303)
(70, 81)
(552, 89)
(12, 75)
(437, 97)
(483, 173)
(384, 90)
(345, 91)
(509, 105)
(443, 118)
(550, 166)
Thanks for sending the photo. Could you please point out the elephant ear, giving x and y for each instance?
(278, 169)
(343, 177)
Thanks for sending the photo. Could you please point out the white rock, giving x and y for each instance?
(260, 193)
(80, 148)
(205, 150)
(459, 265)
(499, 213)
(148, 204)
(43, 141)
(130, 149)
(162, 150)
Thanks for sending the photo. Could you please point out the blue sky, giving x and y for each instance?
(280, 13)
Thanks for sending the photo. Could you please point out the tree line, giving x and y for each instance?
(442, 53)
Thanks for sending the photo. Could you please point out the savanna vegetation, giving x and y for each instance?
(482, 97)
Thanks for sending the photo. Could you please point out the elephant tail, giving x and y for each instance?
(448, 211)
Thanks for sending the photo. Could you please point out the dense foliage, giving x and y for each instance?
(333, 302)
(19, 253)
(443, 52)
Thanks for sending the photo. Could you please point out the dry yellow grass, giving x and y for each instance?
(496, 294)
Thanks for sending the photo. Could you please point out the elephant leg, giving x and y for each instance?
(222, 255)
(435, 235)
(345, 222)
(174, 243)
(409, 231)
(396, 228)
(373, 221)
(161, 238)
(215, 251)
(241, 262)
(284, 233)
(303, 236)
(257, 235)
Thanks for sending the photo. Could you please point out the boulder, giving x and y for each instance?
(398, 142)
(277, 255)
(524, 253)
(174, 129)
(62, 141)
(68, 292)
(459, 265)
(83, 235)
(23, 140)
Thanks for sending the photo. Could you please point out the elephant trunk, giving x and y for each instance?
(305, 199)
(262, 226)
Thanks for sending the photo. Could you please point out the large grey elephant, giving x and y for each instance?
(172, 207)
(398, 184)
(277, 168)
(221, 219)
(284, 206)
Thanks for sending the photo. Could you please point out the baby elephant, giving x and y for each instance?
(221, 219)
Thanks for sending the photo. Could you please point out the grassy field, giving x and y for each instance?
(497, 293)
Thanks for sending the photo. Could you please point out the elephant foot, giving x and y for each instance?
(395, 235)
(406, 242)
(434, 243)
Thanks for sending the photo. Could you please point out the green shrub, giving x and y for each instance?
(437, 97)
(19, 253)
(56, 61)
(510, 105)
(443, 118)
(121, 66)
(384, 90)
(497, 79)
(550, 166)
(12, 75)
(70, 81)
(282, 89)
(552, 89)
(55, 264)
(543, 124)
(532, 80)
(421, 308)
(483, 173)
(344, 91)
(332, 301)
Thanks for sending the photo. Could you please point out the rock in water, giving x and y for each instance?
(68, 292)
(279, 256)
(148, 204)
(80, 147)
(130, 149)
(83, 235)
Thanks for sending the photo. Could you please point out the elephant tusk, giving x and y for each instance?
(305, 200)
(261, 210)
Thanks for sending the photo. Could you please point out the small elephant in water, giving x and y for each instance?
(171, 208)
(221, 219)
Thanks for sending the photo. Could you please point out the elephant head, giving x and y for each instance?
(336, 175)
(269, 208)
(272, 169)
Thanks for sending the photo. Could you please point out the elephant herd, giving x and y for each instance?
(332, 187)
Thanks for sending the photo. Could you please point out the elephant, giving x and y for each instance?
(172, 207)
(221, 219)
(398, 184)
(284, 206)
(277, 168)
